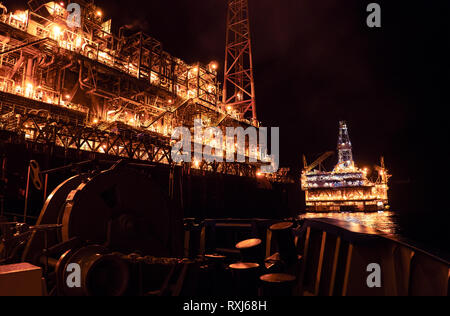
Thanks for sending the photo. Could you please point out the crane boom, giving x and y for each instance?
(319, 161)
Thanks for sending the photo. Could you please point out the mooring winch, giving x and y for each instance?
(91, 218)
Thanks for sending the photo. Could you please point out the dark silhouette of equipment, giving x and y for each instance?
(92, 219)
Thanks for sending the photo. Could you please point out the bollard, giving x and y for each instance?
(194, 238)
(282, 234)
(251, 250)
(219, 279)
(245, 278)
(279, 284)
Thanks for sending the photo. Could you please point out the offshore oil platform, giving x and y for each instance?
(67, 80)
(347, 188)
(72, 91)
(87, 178)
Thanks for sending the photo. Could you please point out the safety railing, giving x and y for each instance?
(344, 258)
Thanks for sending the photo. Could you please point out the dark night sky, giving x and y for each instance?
(316, 62)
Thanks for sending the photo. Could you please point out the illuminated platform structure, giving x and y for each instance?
(346, 188)
(82, 88)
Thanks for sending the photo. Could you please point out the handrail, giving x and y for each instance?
(357, 233)
(338, 256)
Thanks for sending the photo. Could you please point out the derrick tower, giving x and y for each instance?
(345, 148)
(239, 84)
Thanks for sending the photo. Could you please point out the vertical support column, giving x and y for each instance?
(320, 265)
(268, 243)
(25, 211)
(45, 187)
(3, 184)
(335, 264)
(140, 58)
(171, 181)
(1, 56)
(304, 261)
(347, 269)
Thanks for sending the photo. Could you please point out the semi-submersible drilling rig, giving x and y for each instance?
(347, 188)
(86, 118)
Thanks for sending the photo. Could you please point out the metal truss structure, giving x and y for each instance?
(239, 84)
(345, 147)
(87, 89)
(43, 131)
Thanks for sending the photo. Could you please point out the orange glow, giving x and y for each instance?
(21, 16)
(29, 90)
(214, 65)
(57, 31)
(78, 42)
(384, 221)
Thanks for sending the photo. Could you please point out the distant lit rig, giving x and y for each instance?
(347, 188)
(86, 89)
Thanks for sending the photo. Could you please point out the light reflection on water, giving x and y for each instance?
(384, 221)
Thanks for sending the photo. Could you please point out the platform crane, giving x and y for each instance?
(316, 163)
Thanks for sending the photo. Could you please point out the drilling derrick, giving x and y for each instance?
(346, 188)
(345, 148)
(239, 84)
